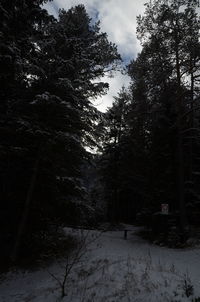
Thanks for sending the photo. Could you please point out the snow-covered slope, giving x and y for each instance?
(111, 269)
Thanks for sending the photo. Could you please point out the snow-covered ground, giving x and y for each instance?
(112, 269)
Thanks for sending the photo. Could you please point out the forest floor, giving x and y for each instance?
(110, 268)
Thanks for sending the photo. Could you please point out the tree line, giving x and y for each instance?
(49, 73)
(152, 142)
(148, 141)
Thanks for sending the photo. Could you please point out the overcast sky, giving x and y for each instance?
(118, 20)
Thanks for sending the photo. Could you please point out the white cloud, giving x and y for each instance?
(115, 85)
(118, 20)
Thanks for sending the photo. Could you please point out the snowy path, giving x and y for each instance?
(113, 269)
(186, 260)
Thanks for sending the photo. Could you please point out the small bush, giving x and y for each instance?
(187, 286)
(44, 247)
(196, 299)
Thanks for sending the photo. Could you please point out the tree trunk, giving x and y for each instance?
(192, 126)
(181, 189)
(25, 214)
(180, 155)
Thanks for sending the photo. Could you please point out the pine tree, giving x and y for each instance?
(47, 118)
(162, 107)
(174, 26)
(19, 26)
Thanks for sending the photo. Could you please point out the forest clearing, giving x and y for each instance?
(100, 202)
(111, 269)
